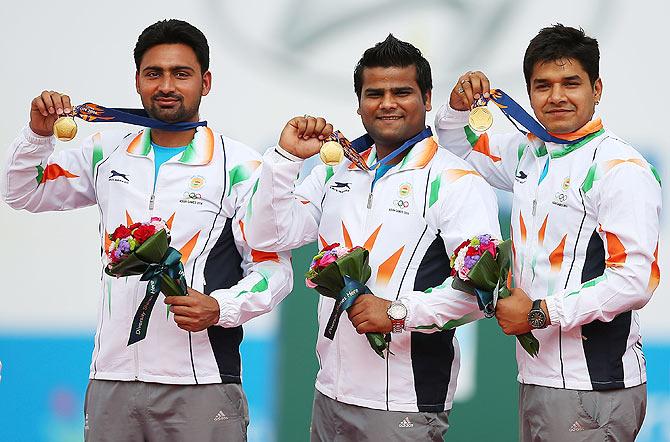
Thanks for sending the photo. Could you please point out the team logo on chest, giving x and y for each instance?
(341, 187)
(402, 204)
(118, 177)
(561, 197)
(191, 194)
(197, 182)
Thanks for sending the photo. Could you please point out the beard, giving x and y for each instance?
(174, 114)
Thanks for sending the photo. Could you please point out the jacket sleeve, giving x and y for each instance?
(38, 179)
(468, 208)
(268, 276)
(628, 204)
(281, 216)
(494, 157)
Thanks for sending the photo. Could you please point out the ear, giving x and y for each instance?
(427, 97)
(358, 111)
(206, 83)
(598, 89)
(137, 82)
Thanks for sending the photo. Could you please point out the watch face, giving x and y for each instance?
(536, 318)
(397, 311)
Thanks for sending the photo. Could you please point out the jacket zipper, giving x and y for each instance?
(152, 199)
(532, 238)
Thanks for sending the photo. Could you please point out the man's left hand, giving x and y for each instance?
(512, 313)
(194, 312)
(369, 314)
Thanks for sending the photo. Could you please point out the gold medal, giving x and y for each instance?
(480, 119)
(331, 153)
(65, 128)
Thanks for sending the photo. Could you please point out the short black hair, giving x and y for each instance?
(171, 32)
(394, 53)
(558, 42)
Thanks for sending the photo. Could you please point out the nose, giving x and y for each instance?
(167, 84)
(557, 94)
(388, 101)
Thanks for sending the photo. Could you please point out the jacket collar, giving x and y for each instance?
(198, 152)
(590, 130)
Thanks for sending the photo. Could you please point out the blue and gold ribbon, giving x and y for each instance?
(99, 114)
(364, 142)
(517, 114)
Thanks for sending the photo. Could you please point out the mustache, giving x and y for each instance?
(169, 95)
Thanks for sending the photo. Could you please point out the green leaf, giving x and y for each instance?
(485, 273)
(463, 286)
(169, 287)
(377, 342)
(355, 265)
(529, 343)
(154, 248)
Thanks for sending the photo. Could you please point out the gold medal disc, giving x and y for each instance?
(65, 128)
(480, 119)
(331, 153)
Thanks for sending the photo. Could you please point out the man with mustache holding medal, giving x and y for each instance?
(585, 226)
(183, 381)
(410, 204)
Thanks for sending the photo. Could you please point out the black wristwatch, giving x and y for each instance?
(536, 316)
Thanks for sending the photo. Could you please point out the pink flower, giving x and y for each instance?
(490, 247)
(327, 259)
(309, 284)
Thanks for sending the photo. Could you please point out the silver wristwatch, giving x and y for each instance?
(397, 312)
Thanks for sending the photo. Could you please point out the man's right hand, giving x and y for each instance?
(45, 109)
(469, 87)
(303, 136)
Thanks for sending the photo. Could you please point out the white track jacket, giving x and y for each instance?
(201, 194)
(410, 221)
(585, 226)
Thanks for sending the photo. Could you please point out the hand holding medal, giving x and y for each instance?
(472, 92)
(50, 114)
(336, 148)
(480, 119)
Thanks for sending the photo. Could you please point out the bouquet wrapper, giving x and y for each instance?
(488, 278)
(161, 266)
(343, 281)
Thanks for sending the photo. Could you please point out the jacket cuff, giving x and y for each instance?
(410, 306)
(448, 118)
(34, 138)
(553, 309)
(229, 310)
(285, 155)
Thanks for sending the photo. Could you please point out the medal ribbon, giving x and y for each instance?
(364, 142)
(515, 113)
(99, 114)
(166, 276)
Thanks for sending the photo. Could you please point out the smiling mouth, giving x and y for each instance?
(166, 101)
(389, 118)
(559, 111)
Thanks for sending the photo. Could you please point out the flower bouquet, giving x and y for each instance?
(340, 273)
(480, 266)
(144, 249)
